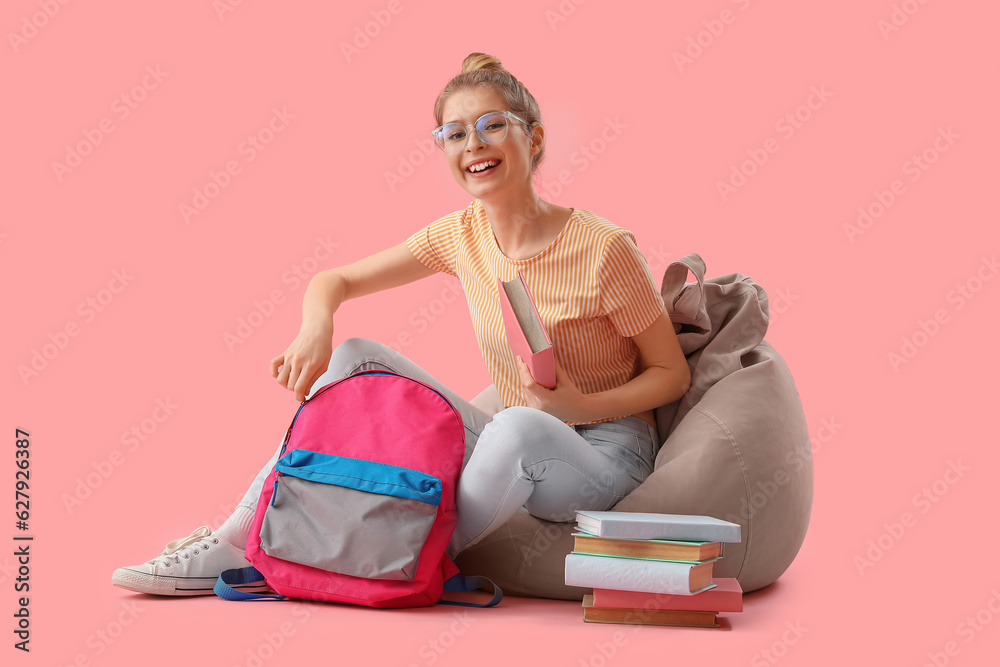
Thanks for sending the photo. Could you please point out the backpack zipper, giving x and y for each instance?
(288, 433)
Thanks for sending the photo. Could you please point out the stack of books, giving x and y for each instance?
(652, 569)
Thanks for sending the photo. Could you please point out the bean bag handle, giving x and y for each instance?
(685, 306)
(713, 350)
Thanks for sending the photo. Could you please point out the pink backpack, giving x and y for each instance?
(361, 503)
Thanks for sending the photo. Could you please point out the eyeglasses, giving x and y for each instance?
(491, 128)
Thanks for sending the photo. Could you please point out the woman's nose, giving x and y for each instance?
(473, 142)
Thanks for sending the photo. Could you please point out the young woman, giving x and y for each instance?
(585, 444)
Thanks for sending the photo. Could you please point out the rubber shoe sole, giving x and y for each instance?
(140, 582)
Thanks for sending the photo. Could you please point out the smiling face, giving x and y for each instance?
(511, 175)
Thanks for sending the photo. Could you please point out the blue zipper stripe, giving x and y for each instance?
(370, 476)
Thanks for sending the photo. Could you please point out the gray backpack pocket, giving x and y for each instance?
(350, 516)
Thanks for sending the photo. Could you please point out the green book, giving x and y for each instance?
(649, 549)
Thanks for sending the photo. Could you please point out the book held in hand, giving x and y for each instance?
(656, 526)
(525, 333)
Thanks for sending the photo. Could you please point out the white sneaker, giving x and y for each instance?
(188, 566)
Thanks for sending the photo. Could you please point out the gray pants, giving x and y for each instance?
(518, 457)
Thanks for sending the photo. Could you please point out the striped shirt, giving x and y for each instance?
(591, 285)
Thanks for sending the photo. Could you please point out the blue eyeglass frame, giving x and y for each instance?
(438, 132)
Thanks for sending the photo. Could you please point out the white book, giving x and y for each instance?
(655, 526)
(631, 574)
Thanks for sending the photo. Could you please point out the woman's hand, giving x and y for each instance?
(308, 357)
(565, 401)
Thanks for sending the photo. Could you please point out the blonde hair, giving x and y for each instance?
(481, 69)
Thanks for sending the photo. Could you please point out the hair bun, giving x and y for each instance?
(476, 61)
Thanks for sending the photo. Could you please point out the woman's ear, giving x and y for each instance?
(537, 138)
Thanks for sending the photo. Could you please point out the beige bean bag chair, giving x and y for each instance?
(734, 447)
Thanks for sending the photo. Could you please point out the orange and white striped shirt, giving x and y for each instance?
(591, 285)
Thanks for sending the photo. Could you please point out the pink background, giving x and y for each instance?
(841, 306)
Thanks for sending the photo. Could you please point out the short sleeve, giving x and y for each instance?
(436, 245)
(628, 294)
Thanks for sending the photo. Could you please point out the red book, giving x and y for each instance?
(525, 334)
(726, 596)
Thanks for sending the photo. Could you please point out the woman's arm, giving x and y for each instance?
(328, 289)
(308, 356)
(665, 377)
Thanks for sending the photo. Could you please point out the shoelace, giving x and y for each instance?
(174, 551)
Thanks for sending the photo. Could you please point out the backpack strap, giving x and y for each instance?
(249, 575)
(243, 575)
(464, 583)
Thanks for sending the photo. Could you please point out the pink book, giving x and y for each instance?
(726, 596)
(525, 333)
